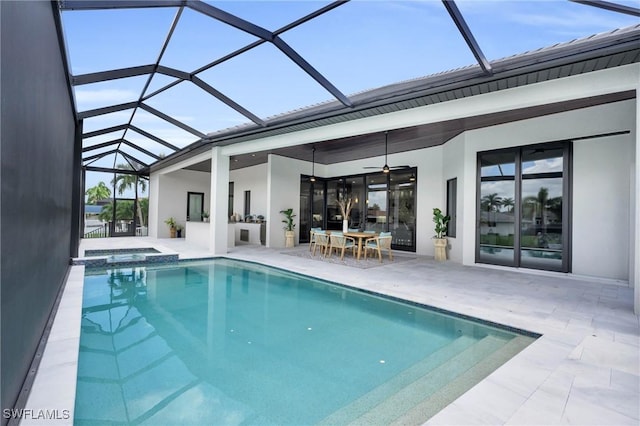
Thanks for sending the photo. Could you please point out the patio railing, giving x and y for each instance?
(100, 232)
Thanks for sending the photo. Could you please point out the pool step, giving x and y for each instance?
(455, 388)
(417, 392)
(408, 397)
(373, 398)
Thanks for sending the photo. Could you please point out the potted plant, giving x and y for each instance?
(172, 226)
(178, 231)
(439, 240)
(205, 216)
(288, 228)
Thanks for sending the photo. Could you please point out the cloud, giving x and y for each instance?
(105, 96)
(543, 166)
(567, 21)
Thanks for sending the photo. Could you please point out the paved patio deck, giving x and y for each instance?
(583, 370)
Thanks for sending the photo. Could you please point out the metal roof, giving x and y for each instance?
(614, 48)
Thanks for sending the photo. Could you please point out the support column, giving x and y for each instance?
(77, 193)
(219, 202)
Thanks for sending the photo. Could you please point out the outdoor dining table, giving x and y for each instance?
(360, 236)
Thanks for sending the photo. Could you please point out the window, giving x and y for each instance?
(230, 207)
(452, 206)
(247, 204)
(195, 206)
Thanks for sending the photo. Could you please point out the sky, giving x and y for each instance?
(358, 46)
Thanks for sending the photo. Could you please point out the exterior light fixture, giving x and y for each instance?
(412, 178)
(313, 165)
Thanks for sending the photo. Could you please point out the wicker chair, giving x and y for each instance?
(312, 238)
(379, 243)
(342, 243)
(321, 240)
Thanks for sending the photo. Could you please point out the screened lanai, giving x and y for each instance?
(154, 81)
(114, 92)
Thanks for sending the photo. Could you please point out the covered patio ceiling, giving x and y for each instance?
(157, 126)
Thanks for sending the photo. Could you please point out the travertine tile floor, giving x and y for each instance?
(585, 369)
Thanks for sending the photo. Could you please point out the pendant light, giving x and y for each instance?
(313, 165)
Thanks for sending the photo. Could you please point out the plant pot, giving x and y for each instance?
(288, 239)
(172, 232)
(345, 225)
(440, 245)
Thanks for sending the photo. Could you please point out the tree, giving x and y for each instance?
(122, 182)
(509, 203)
(97, 193)
(491, 202)
(124, 211)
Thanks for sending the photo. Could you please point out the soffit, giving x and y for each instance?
(411, 138)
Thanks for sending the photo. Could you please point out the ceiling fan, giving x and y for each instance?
(386, 168)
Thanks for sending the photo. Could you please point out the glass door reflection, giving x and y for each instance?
(496, 209)
(402, 215)
(354, 188)
(377, 189)
(541, 233)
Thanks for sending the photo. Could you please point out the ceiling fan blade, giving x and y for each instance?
(399, 167)
(377, 167)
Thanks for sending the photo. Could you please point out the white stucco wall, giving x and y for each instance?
(252, 179)
(171, 198)
(283, 192)
(601, 207)
(591, 159)
(453, 167)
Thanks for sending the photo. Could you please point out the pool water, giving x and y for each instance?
(229, 342)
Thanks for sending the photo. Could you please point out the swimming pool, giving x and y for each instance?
(230, 342)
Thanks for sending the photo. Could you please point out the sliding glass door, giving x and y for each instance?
(521, 216)
(380, 202)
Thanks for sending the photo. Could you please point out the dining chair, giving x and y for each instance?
(322, 241)
(312, 236)
(342, 243)
(379, 243)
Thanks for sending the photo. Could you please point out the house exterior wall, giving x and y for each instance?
(457, 158)
(169, 192)
(283, 192)
(601, 207)
(608, 158)
(454, 167)
(252, 179)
